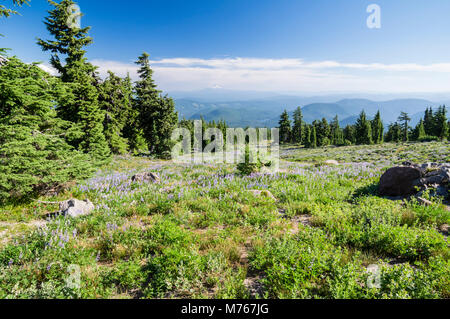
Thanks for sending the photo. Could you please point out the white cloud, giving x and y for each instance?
(288, 75)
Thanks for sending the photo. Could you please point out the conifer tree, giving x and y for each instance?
(363, 130)
(285, 127)
(336, 132)
(442, 129)
(79, 104)
(428, 122)
(132, 131)
(404, 119)
(323, 131)
(157, 116)
(307, 141)
(34, 156)
(377, 129)
(349, 134)
(298, 129)
(313, 137)
(419, 131)
(115, 102)
(394, 133)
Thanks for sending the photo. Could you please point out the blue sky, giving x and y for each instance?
(278, 45)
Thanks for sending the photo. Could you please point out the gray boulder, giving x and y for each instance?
(76, 208)
(146, 177)
(399, 181)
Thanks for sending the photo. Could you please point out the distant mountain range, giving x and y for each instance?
(266, 111)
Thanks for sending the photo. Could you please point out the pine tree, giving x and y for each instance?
(377, 129)
(428, 122)
(442, 129)
(307, 141)
(298, 129)
(157, 116)
(394, 133)
(79, 104)
(313, 143)
(350, 134)
(115, 102)
(34, 156)
(404, 119)
(68, 42)
(336, 132)
(323, 131)
(419, 131)
(363, 130)
(285, 128)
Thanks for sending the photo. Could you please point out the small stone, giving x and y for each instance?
(76, 208)
(332, 162)
(146, 177)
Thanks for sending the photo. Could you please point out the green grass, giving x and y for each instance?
(202, 234)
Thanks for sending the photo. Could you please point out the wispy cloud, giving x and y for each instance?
(288, 75)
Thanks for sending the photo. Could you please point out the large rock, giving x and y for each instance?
(76, 208)
(399, 181)
(146, 177)
(332, 162)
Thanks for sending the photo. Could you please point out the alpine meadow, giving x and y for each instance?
(197, 173)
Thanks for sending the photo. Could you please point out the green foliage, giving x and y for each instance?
(157, 115)
(363, 130)
(34, 155)
(79, 103)
(6, 12)
(404, 117)
(377, 129)
(115, 101)
(285, 128)
(251, 162)
(298, 128)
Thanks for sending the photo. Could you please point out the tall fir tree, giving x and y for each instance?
(298, 128)
(419, 131)
(132, 130)
(80, 103)
(404, 119)
(363, 130)
(428, 122)
(336, 132)
(115, 101)
(157, 116)
(377, 129)
(307, 141)
(313, 143)
(442, 130)
(285, 127)
(394, 133)
(323, 132)
(350, 134)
